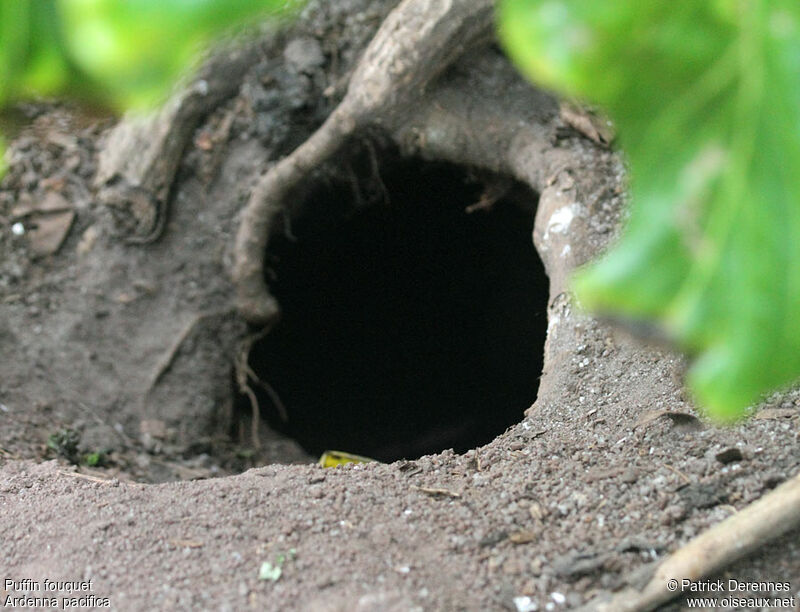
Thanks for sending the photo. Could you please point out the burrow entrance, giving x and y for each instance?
(409, 325)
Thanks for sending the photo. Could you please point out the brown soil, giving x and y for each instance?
(132, 347)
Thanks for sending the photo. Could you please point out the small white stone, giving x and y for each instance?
(18, 229)
(561, 219)
(525, 604)
(201, 87)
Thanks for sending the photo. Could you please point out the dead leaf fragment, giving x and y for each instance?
(48, 232)
(51, 202)
(776, 413)
(437, 492)
(591, 124)
(522, 537)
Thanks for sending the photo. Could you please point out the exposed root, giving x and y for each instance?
(255, 424)
(414, 44)
(244, 374)
(492, 192)
(169, 357)
(273, 395)
(137, 167)
(376, 172)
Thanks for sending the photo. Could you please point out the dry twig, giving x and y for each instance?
(435, 491)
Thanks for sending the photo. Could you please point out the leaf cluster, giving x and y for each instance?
(706, 97)
(118, 54)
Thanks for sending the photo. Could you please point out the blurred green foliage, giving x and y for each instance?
(118, 53)
(64, 443)
(706, 97)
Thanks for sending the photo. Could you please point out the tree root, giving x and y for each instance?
(414, 44)
(737, 536)
(244, 374)
(137, 167)
(395, 87)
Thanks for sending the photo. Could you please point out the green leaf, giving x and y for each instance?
(3, 162)
(270, 572)
(706, 97)
(31, 58)
(127, 54)
(122, 54)
(137, 50)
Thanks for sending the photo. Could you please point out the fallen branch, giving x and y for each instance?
(734, 538)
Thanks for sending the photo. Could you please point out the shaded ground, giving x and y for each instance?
(608, 472)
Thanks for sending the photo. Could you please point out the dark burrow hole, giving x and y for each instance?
(409, 325)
